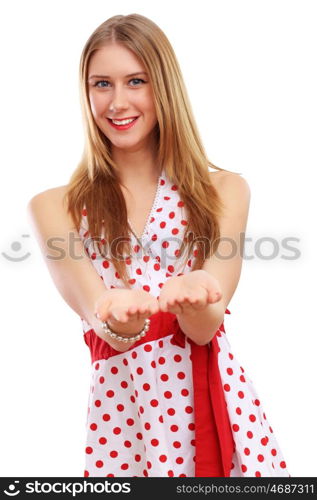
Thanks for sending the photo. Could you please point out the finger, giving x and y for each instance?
(214, 296)
(119, 315)
(174, 308)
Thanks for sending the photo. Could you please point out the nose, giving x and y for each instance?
(119, 99)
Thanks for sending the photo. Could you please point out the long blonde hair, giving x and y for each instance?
(94, 184)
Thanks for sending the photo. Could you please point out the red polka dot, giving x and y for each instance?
(97, 403)
(113, 454)
(283, 464)
(146, 387)
(93, 427)
(147, 426)
(101, 380)
(161, 360)
(179, 460)
(147, 347)
(181, 375)
(110, 394)
(102, 440)
(250, 434)
(139, 370)
(238, 410)
(130, 421)
(177, 358)
(229, 371)
(154, 402)
(189, 409)
(175, 230)
(114, 370)
(170, 473)
(264, 440)
(174, 428)
(124, 466)
(235, 427)
(226, 387)
(242, 378)
(117, 430)
(137, 457)
(241, 394)
(246, 451)
(139, 435)
(154, 442)
(99, 463)
(191, 427)
(184, 392)
(162, 458)
(177, 444)
(167, 394)
(273, 451)
(258, 474)
(120, 407)
(257, 402)
(260, 458)
(89, 450)
(162, 224)
(252, 418)
(164, 377)
(86, 473)
(161, 419)
(146, 288)
(105, 264)
(106, 417)
(244, 468)
(171, 411)
(127, 444)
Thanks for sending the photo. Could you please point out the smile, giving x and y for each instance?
(122, 124)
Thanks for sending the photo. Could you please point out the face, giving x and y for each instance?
(119, 88)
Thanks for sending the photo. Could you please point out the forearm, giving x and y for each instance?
(201, 326)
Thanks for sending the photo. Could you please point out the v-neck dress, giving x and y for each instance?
(168, 407)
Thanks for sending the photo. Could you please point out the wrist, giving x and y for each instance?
(128, 329)
(127, 338)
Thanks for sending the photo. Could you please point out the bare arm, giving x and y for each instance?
(225, 265)
(75, 278)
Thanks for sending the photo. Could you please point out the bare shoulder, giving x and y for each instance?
(47, 197)
(232, 188)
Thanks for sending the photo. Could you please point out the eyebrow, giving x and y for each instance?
(106, 76)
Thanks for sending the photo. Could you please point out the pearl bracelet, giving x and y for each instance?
(136, 337)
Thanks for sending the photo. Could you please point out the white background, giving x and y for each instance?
(250, 71)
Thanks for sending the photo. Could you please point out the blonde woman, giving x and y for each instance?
(150, 245)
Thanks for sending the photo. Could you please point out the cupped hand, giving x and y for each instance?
(189, 293)
(125, 305)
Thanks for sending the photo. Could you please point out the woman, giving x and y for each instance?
(152, 245)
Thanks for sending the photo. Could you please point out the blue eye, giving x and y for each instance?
(138, 80)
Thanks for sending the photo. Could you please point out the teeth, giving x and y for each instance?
(123, 122)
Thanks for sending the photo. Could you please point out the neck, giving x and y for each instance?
(138, 166)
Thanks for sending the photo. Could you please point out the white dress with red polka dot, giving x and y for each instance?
(167, 407)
